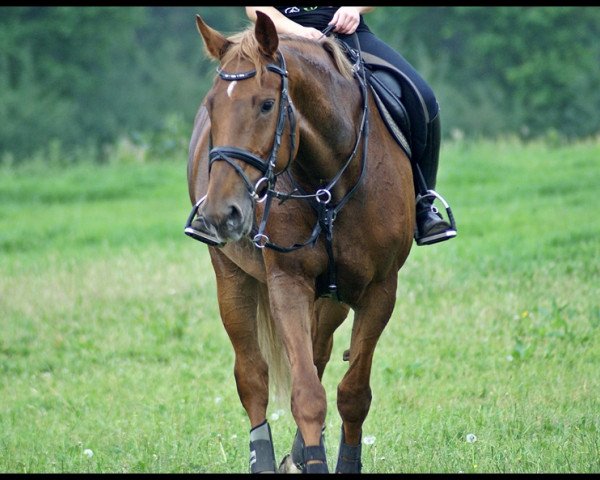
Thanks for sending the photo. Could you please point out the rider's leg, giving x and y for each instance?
(431, 227)
(423, 110)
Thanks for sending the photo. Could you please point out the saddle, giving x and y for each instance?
(387, 92)
(385, 83)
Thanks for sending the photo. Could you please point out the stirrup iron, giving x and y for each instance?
(449, 232)
(197, 234)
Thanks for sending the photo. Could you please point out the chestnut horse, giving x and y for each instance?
(308, 206)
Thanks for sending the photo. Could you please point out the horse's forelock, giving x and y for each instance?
(245, 47)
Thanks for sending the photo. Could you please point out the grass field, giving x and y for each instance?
(113, 358)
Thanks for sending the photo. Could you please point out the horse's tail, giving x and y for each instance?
(273, 352)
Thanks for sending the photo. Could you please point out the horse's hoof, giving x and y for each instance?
(287, 465)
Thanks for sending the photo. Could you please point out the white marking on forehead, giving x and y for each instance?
(231, 87)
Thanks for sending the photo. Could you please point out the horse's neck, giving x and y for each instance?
(329, 111)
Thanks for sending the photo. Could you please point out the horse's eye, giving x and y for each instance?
(267, 106)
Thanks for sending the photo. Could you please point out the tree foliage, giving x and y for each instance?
(528, 70)
(87, 75)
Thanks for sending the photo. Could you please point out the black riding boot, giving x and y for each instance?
(431, 226)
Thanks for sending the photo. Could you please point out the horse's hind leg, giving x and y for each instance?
(354, 391)
(237, 295)
(328, 316)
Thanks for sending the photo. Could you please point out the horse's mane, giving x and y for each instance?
(245, 47)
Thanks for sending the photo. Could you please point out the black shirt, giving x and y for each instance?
(315, 17)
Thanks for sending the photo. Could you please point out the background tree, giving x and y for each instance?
(90, 75)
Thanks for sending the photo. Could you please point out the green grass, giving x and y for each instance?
(111, 340)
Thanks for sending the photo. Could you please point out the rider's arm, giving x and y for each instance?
(282, 23)
(345, 19)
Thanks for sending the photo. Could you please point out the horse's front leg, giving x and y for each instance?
(292, 302)
(327, 317)
(237, 296)
(354, 391)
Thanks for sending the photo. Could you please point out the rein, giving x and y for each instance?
(321, 199)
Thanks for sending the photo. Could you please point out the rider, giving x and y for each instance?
(419, 99)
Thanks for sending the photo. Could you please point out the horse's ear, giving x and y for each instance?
(216, 44)
(266, 34)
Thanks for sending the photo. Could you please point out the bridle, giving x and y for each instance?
(265, 167)
(321, 199)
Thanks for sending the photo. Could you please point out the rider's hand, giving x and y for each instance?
(309, 32)
(346, 20)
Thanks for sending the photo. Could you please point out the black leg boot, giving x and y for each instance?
(262, 454)
(431, 227)
(295, 462)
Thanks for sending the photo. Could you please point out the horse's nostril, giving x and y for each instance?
(235, 217)
(235, 213)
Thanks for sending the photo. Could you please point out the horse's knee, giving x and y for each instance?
(309, 408)
(309, 404)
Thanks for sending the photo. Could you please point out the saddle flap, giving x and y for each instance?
(388, 97)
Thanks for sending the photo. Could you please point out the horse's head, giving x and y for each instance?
(252, 125)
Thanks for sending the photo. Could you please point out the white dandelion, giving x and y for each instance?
(471, 438)
(277, 414)
(88, 453)
(369, 440)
